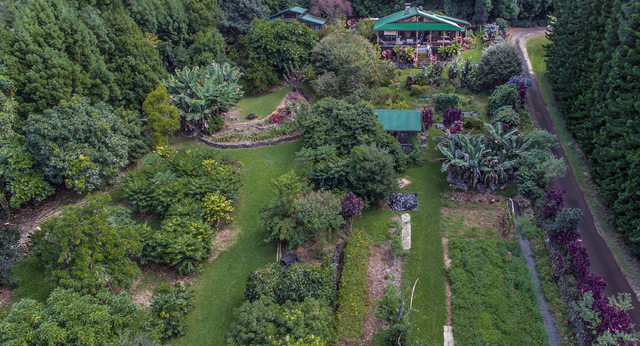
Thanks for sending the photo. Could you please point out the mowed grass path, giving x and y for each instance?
(426, 257)
(220, 287)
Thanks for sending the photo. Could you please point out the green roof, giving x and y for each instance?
(399, 120)
(390, 22)
(420, 26)
(312, 19)
(295, 9)
(455, 20)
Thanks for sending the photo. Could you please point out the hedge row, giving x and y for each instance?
(352, 293)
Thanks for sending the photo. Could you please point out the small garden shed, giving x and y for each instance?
(401, 124)
(301, 15)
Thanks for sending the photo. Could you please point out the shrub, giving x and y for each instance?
(86, 249)
(169, 308)
(161, 181)
(83, 146)
(69, 318)
(24, 181)
(474, 123)
(391, 310)
(296, 214)
(426, 118)
(260, 77)
(398, 105)
(418, 90)
(504, 95)
(372, 175)
(297, 283)
(9, 254)
(503, 24)
(450, 116)
(353, 292)
(506, 115)
(498, 63)
(445, 101)
(181, 242)
(162, 117)
(264, 322)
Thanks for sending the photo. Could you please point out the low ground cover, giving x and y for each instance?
(494, 299)
(352, 293)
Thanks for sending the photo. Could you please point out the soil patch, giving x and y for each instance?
(5, 299)
(447, 283)
(223, 241)
(474, 216)
(380, 273)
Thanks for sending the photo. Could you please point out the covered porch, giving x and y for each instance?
(417, 38)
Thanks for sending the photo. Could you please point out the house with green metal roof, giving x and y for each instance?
(416, 27)
(401, 124)
(301, 15)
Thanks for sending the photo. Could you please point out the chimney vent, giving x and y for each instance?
(407, 7)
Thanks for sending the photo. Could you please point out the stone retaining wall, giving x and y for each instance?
(256, 144)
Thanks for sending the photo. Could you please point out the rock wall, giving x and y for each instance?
(255, 144)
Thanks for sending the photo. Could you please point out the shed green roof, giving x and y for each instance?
(295, 9)
(399, 120)
(390, 22)
(312, 19)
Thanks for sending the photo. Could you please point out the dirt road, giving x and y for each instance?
(602, 261)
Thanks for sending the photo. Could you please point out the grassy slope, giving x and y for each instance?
(262, 105)
(578, 163)
(474, 54)
(220, 288)
(425, 259)
(32, 281)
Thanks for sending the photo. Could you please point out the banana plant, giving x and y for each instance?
(204, 92)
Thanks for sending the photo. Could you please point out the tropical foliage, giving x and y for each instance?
(203, 93)
(478, 162)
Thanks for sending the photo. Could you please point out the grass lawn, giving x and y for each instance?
(220, 287)
(578, 163)
(476, 53)
(261, 105)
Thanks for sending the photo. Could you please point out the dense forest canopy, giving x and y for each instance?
(593, 63)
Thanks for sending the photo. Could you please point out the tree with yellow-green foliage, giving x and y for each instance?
(162, 118)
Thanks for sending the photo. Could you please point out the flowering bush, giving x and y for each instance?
(457, 127)
(352, 22)
(278, 116)
(387, 54)
(522, 83)
(491, 30)
(451, 115)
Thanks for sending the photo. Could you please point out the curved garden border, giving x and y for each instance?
(255, 144)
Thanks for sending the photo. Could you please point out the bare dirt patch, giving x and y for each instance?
(223, 241)
(5, 298)
(403, 182)
(447, 283)
(380, 273)
(474, 215)
(153, 274)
